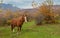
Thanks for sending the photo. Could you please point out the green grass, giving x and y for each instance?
(30, 30)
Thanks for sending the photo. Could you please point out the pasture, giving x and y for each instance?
(30, 30)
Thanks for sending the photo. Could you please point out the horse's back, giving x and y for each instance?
(17, 21)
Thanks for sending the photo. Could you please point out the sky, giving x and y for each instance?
(26, 3)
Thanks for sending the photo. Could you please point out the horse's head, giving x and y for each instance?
(25, 18)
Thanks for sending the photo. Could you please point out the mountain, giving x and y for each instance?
(33, 10)
(5, 7)
(8, 6)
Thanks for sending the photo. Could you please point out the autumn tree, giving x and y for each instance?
(47, 11)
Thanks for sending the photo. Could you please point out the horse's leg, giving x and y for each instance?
(17, 29)
(20, 27)
(12, 28)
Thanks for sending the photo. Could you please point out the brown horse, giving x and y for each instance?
(18, 22)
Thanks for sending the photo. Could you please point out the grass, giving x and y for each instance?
(30, 30)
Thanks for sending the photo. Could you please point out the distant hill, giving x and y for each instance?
(8, 6)
(33, 10)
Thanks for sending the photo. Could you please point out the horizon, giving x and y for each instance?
(26, 4)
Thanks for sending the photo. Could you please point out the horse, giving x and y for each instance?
(18, 22)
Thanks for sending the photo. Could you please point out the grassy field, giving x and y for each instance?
(30, 30)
